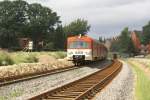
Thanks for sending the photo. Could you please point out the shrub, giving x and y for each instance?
(5, 59)
(24, 57)
(32, 58)
(58, 54)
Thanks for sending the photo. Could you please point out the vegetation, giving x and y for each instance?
(21, 57)
(19, 19)
(5, 59)
(77, 27)
(142, 83)
(25, 57)
(146, 32)
(33, 68)
(123, 44)
(58, 54)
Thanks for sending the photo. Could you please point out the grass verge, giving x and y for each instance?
(142, 83)
(7, 58)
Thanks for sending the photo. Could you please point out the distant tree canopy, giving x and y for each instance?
(20, 19)
(124, 40)
(124, 43)
(102, 40)
(12, 21)
(146, 33)
(79, 26)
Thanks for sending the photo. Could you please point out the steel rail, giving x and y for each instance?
(84, 88)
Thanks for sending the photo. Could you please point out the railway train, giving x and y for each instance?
(81, 49)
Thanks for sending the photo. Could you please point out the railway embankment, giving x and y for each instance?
(141, 71)
(27, 89)
(29, 69)
(121, 88)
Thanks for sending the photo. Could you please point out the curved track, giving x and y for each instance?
(84, 88)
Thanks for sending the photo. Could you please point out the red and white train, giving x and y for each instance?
(83, 48)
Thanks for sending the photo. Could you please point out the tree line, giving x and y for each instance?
(19, 19)
(124, 44)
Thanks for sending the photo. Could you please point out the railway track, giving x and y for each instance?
(16, 79)
(85, 88)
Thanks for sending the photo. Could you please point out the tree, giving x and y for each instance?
(20, 19)
(124, 43)
(12, 19)
(59, 38)
(146, 33)
(100, 39)
(79, 26)
(124, 40)
(41, 22)
(115, 46)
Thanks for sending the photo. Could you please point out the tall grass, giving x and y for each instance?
(25, 57)
(58, 54)
(5, 59)
(142, 89)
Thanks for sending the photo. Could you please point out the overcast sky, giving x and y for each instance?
(106, 17)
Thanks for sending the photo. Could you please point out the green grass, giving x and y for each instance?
(142, 89)
(58, 54)
(16, 93)
(13, 94)
(25, 57)
(5, 59)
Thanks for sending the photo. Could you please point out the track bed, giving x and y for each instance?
(84, 88)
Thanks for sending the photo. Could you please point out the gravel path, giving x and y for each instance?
(26, 89)
(121, 88)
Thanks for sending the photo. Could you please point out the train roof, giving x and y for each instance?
(80, 37)
(83, 38)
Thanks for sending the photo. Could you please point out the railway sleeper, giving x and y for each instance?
(84, 84)
(59, 98)
(79, 91)
(69, 93)
(78, 88)
(64, 96)
(72, 95)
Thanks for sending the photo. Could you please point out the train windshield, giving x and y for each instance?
(78, 44)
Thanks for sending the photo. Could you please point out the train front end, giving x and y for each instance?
(79, 49)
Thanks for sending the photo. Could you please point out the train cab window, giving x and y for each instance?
(78, 44)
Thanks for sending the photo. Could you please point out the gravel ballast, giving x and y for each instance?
(27, 89)
(121, 88)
